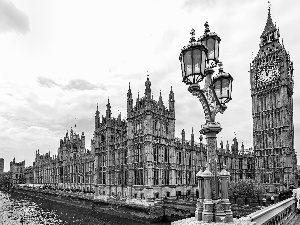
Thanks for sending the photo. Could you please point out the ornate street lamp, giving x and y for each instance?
(198, 60)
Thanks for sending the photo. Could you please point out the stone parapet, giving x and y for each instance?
(193, 221)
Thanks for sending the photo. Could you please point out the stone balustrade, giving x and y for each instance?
(280, 213)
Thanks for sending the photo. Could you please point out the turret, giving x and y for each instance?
(160, 102)
(183, 136)
(234, 146)
(108, 110)
(97, 118)
(82, 140)
(192, 137)
(242, 147)
(221, 144)
(129, 101)
(148, 88)
(227, 146)
(171, 101)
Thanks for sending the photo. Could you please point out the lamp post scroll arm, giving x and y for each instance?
(206, 107)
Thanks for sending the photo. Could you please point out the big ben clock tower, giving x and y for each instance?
(271, 79)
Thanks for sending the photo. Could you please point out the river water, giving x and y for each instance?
(22, 209)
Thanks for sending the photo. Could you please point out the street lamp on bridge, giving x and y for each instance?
(198, 61)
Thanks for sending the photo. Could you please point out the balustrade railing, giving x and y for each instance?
(280, 213)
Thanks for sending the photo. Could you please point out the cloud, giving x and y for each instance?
(75, 84)
(192, 4)
(46, 82)
(12, 19)
(81, 85)
(166, 41)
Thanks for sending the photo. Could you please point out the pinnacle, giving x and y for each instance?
(269, 25)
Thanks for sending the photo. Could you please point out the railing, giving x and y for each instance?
(280, 213)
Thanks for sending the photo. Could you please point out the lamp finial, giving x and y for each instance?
(192, 39)
(206, 27)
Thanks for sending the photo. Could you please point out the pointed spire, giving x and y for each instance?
(192, 137)
(108, 111)
(269, 25)
(97, 107)
(160, 102)
(129, 95)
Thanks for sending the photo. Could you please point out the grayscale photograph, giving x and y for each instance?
(173, 112)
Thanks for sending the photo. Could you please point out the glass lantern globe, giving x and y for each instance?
(211, 41)
(222, 84)
(192, 60)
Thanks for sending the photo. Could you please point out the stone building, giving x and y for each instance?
(1, 165)
(240, 162)
(71, 168)
(141, 158)
(28, 175)
(109, 145)
(271, 79)
(17, 172)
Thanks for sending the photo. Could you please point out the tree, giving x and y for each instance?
(4, 181)
(245, 189)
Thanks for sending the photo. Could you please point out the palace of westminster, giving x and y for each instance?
(140, 157)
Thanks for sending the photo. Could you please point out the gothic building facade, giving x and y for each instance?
(16, 170)
(271, 78)
(139, 157)
(72, 168)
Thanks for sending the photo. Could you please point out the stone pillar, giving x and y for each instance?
(199, 207)
(208, 205)
(211, 129)
(224, 178)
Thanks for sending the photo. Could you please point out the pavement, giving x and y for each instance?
(295, 220)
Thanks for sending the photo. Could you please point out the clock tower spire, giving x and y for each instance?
(271, 79)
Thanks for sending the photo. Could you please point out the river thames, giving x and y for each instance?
(22, 209)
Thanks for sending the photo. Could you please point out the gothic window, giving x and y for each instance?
(155, 153)
(155, 177)
(125, 156)
(125, 177)
(166, 155)
(166, 177)
(137, 153)
(179, 158)
(119, 178)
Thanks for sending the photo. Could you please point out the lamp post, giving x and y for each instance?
(198, 61)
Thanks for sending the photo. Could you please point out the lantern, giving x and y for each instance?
(192, 58)
(222, 84)
(211, 41)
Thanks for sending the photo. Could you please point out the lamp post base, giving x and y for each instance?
(208, 211)
(199, 210)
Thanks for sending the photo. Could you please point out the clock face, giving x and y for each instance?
(267, 73)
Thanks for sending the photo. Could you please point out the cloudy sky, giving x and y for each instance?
(58, 59)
